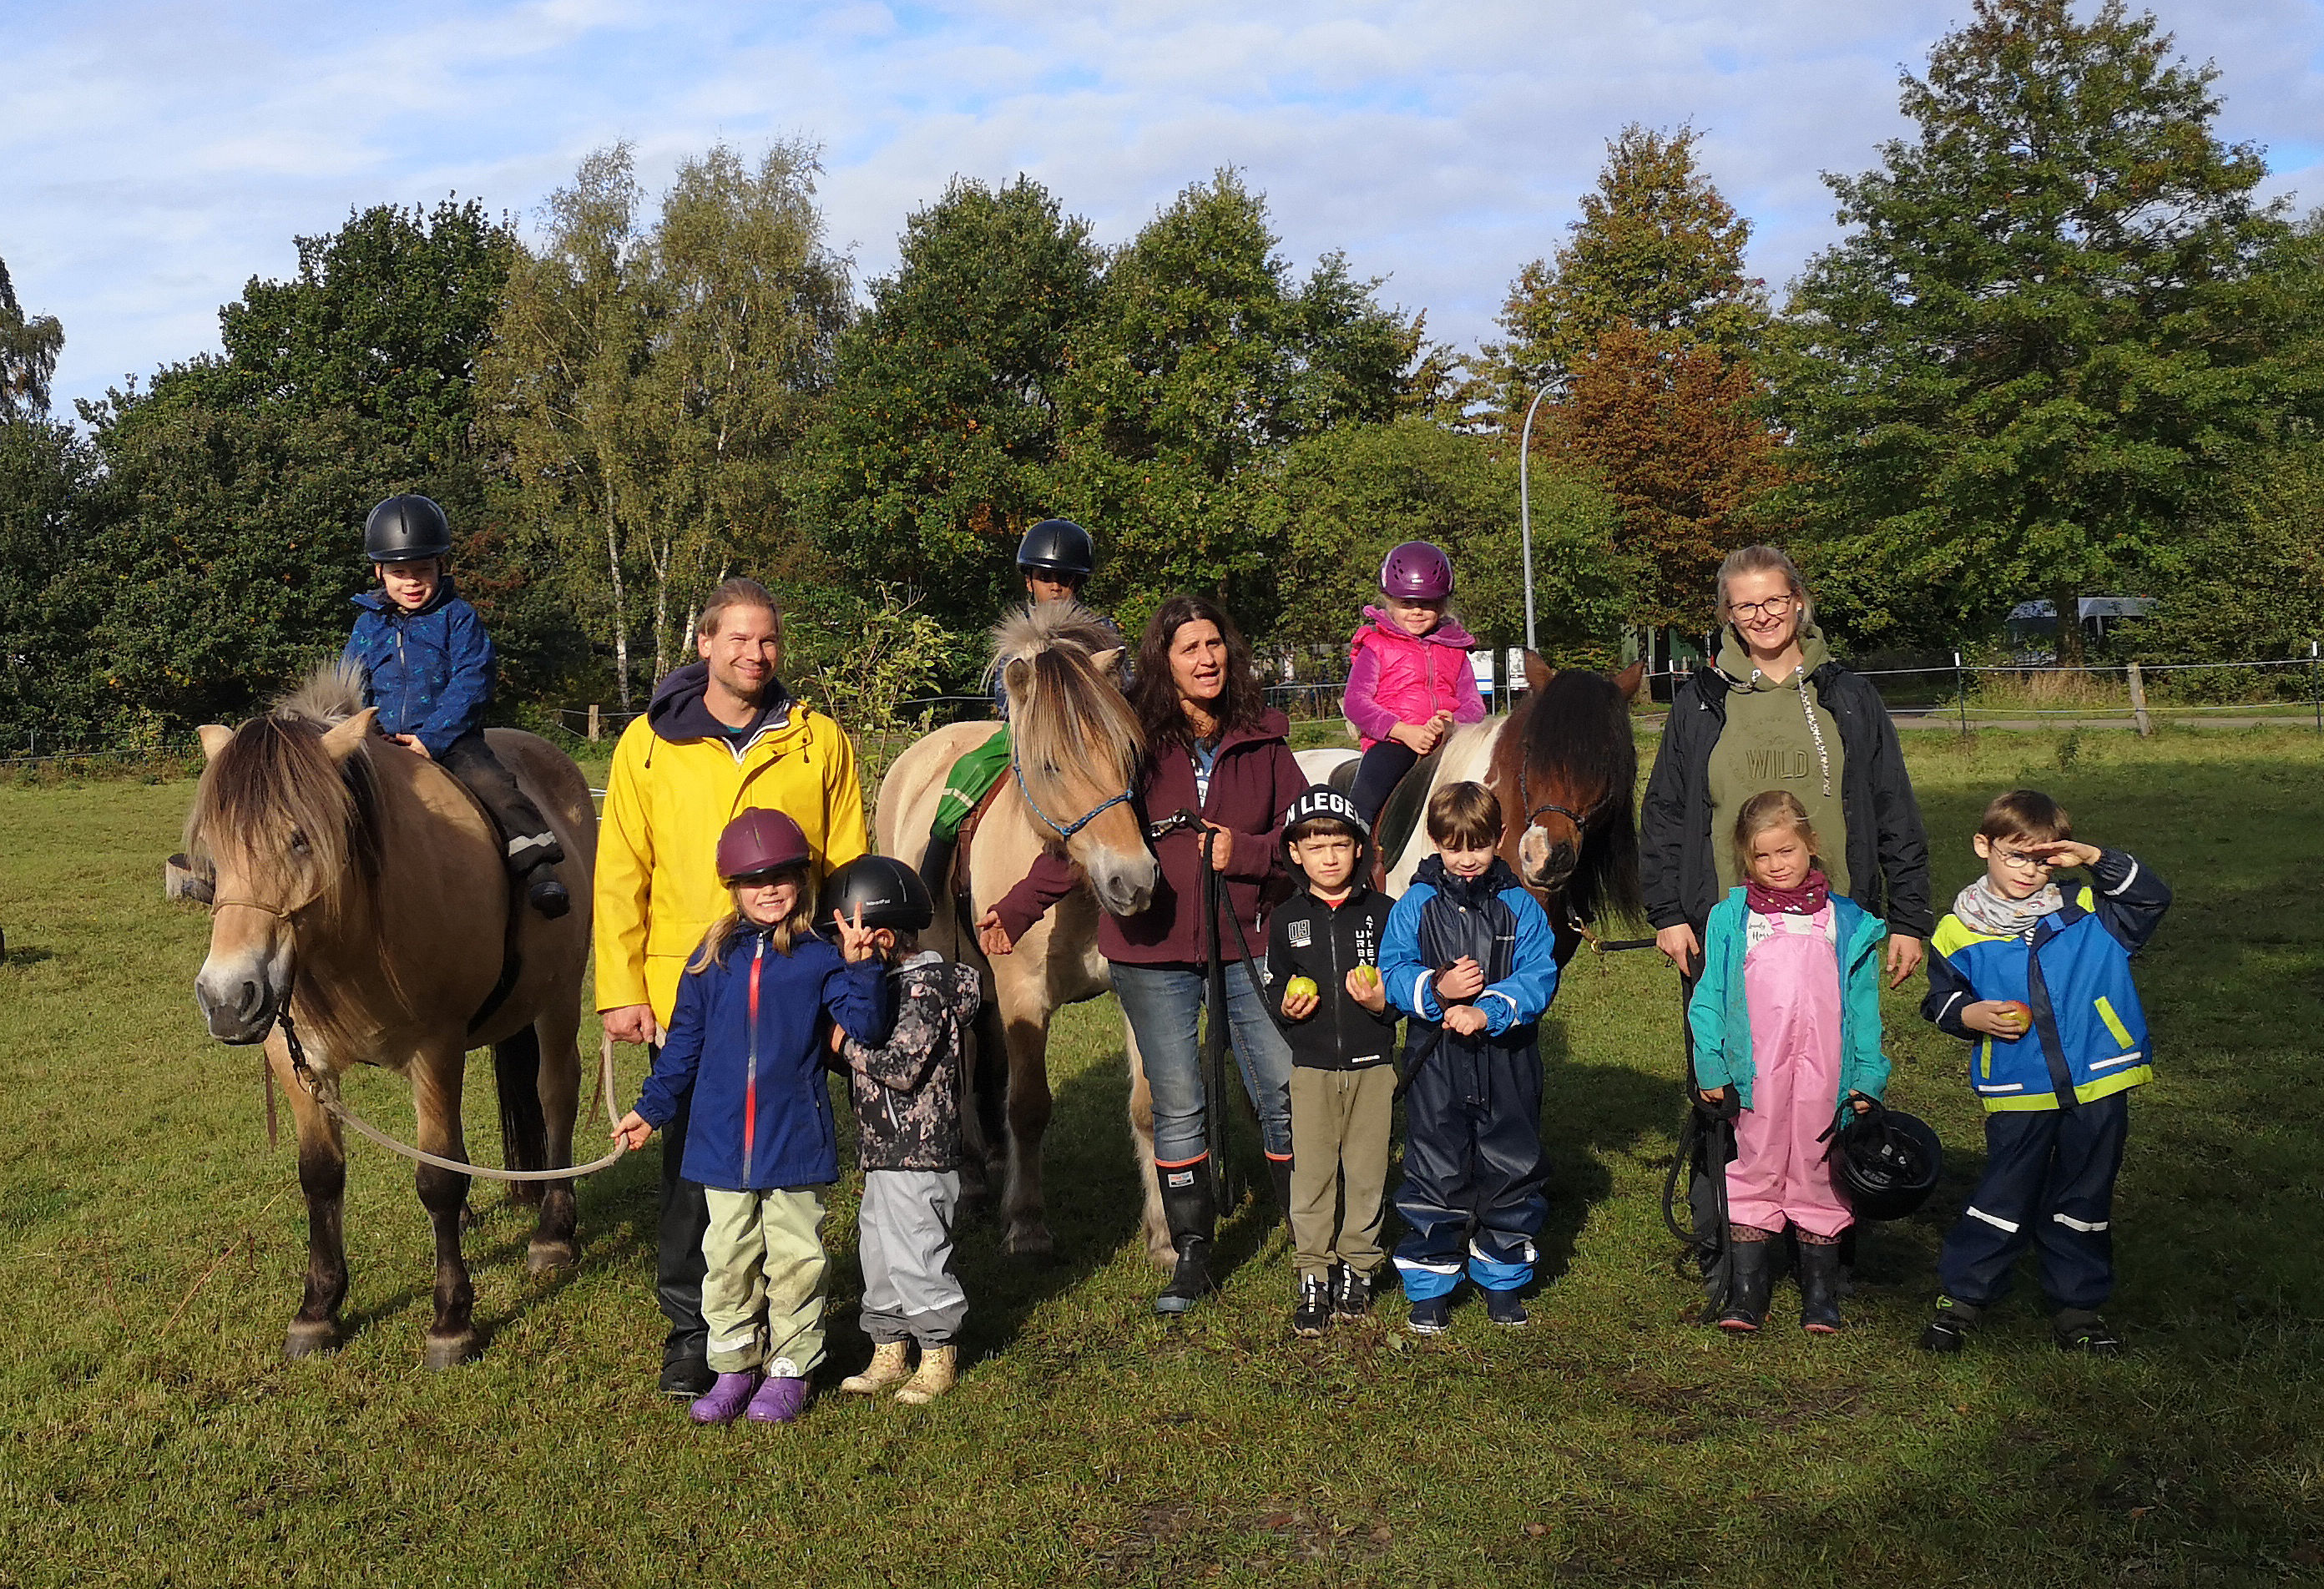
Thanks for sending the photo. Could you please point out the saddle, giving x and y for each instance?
(963, 850)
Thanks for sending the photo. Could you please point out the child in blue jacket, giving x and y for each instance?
(2039, 985)
(1787, 1013)
(744, 1054)
(427, 666)
(1470, 957)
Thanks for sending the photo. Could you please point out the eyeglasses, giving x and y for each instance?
(1752, 611)
(2021, 860)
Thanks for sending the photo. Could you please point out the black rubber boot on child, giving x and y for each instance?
(1819, 1287)
(1193, 1216)
(546, 892)
(1747, 1280)
(1279, 1171)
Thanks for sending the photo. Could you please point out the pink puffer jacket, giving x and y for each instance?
(1394, 677)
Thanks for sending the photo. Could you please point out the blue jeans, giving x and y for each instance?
(1163, 1005)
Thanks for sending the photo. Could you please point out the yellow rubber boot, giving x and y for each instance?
(938, 1370)
(889, 1368)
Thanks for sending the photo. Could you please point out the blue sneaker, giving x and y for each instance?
(1432, 1316)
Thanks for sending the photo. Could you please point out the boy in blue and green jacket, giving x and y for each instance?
(2039, 984)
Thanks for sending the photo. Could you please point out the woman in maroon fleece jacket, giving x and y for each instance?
(1216, 748)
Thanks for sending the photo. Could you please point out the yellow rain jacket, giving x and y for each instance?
(678, 777)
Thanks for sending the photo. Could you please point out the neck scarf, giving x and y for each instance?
(1985, 909)
(1805, 900)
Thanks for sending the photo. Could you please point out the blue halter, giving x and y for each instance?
(1065, 831)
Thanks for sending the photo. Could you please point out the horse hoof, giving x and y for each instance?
(1030, 1241)
(449, 1351)
(543, 1256)
(306, 1337)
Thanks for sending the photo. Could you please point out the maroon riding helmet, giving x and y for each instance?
(760, 840)
(1416, 571)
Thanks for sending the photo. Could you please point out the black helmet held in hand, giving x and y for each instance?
(406, 528)
(1058, 545)
(1886, 1161)
(891, 894)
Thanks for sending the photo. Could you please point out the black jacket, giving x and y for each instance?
(1310, 938)
(1888, 850)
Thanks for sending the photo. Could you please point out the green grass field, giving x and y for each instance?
(152, 1247)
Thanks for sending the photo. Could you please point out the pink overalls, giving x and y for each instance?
(1791, 987)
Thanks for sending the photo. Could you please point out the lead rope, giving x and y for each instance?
(325, 1090)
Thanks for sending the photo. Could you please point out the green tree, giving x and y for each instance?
(651, 386)
(1657, 248)
(942, 430)
(1343, 497)
(234, 486)
(28, 356)
(2026, 367)
(1205, 362)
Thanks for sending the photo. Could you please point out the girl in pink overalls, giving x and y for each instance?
(1786, 1015)
(1408, 675)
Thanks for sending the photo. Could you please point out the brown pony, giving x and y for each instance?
(361, 901)
(1077, 748)
(1565, 769)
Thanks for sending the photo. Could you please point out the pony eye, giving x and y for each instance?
(298, 843)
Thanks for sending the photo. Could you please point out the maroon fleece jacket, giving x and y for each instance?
(1252, 783)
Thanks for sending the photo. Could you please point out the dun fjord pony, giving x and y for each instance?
(1077, 748)
(1565, 769)
(360, 894)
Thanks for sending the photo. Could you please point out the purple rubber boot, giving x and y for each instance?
(726, 1399)
(778, 1400)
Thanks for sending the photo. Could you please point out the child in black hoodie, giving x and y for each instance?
(1323, 953)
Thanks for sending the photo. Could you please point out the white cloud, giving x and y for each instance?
(154, 156)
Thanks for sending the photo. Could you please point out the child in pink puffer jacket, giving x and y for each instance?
(1408, 679)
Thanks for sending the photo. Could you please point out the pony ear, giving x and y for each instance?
(1629, 678)
(1106, 661)
(1537, 673)
(1017, 678)
(215, 736)
(344, 739)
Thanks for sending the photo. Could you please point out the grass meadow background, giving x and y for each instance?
(151, 1247)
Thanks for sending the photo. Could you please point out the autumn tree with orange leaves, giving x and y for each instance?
(1641, 331)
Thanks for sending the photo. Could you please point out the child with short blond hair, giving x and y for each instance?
(1469, 955)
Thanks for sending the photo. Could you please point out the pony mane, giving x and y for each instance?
(1071, 713)
(1583, 722)
(273, 780)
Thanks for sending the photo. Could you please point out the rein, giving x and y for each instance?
(1064, 831)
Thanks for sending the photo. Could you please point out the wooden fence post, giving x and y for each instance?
(592, 723)
(2138, 703)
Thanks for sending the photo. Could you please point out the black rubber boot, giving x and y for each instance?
(935, 867)
(1279, 1171)
(546, 892)
(1747, 1286)
(1192, 1215)
(1820, 1288)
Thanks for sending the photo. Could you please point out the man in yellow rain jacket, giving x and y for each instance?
(721, 736)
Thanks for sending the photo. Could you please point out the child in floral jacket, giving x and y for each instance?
(907, 1095)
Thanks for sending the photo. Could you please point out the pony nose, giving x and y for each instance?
(236, 1009)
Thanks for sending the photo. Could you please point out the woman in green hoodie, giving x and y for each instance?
(1776, 711)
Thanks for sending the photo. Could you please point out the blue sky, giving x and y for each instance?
(154, 156)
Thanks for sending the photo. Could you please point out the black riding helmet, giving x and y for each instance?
(406, 528)
(1058, 545)
(1887, 1162)
(890, 893)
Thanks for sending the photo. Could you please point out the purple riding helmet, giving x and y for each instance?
(760, 840)
(1416, 571)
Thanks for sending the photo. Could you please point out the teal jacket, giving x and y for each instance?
(1720, 1018)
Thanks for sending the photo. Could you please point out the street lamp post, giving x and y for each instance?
(1525, 511)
